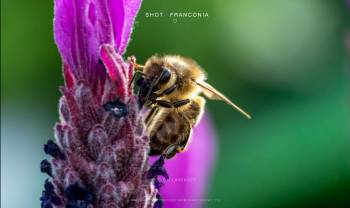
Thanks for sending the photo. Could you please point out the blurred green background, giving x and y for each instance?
(283, 61)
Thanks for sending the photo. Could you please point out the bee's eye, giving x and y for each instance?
(165, 76)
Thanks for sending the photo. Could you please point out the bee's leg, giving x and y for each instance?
(170, 151)
(179, 103)
(163, 103)
(150, 115)
(176, 104)
(169, 90)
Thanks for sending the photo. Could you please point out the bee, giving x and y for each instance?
(170, 86)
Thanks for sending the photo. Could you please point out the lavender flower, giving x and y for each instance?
(100, 152)
(190, 171)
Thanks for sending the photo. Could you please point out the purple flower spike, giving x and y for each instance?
(102, 145)
(100, 156)
(189, 172)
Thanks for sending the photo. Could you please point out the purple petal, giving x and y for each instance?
(74, 37)
(131, 9)
(189, 171)
(82, 26)
(110, 60)
(116, 10)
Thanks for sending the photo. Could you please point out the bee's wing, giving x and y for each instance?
(210, 92)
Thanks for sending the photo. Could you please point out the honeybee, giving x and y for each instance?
(170, 86)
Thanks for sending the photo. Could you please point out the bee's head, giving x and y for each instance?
(158, 72)
(158, 75)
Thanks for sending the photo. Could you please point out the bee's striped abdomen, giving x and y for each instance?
(173, 126)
